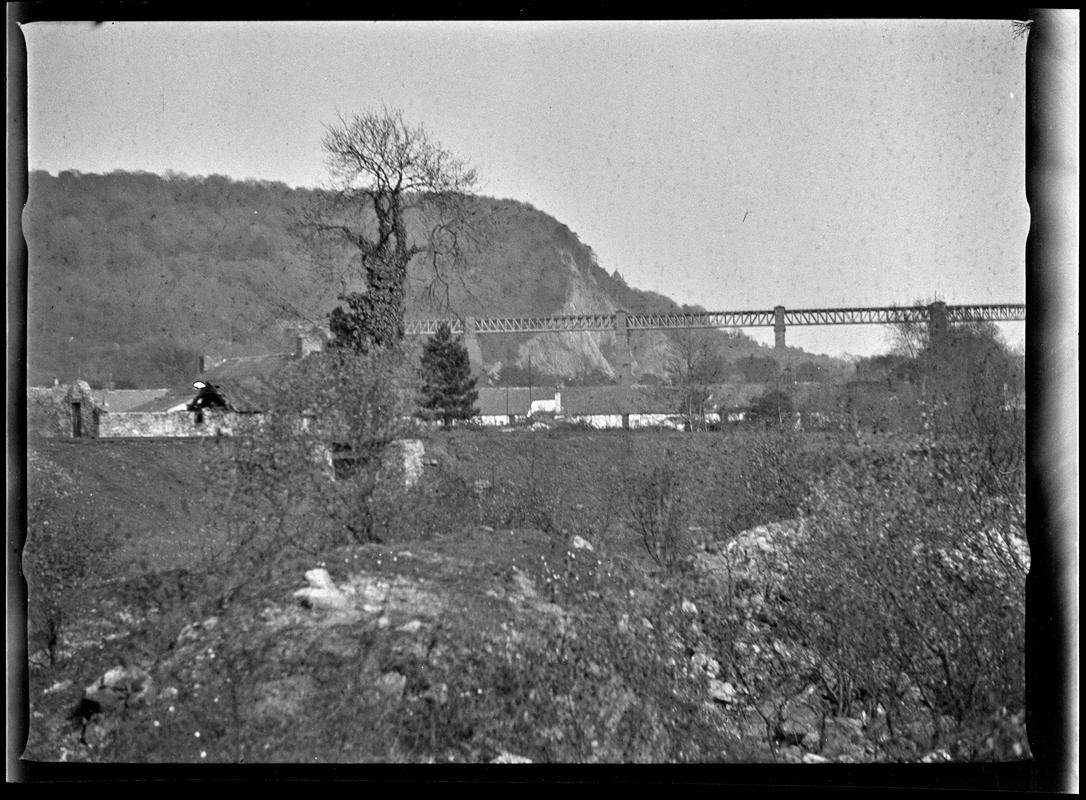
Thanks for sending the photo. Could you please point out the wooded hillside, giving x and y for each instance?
(133, 275)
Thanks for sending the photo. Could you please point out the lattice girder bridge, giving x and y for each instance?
(938, 315)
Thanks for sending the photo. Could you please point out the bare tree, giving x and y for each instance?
(910, 339)
(693, 364)
(396, 195)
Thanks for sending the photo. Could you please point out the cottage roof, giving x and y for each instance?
(582, 400)
(499, 401)
(248, 383)
(172, 399)
(117, 400)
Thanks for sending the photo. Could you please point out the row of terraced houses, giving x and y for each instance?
(247, 384)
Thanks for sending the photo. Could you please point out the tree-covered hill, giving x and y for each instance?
(133, 275)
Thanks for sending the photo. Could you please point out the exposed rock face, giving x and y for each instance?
(399, 601)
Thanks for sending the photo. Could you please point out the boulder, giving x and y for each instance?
(322, 591)
(119, 687)
(320, 579)
(723, 692)
(580, 543)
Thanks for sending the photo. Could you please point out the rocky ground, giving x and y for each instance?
(450, 632)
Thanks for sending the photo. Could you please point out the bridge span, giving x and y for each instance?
(938, 315)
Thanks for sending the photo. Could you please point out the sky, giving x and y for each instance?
(733, 165)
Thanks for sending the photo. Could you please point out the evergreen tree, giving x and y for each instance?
(448, 387)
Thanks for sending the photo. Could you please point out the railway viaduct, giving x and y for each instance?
(937, 315)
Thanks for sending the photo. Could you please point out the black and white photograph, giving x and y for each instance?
(543, 392)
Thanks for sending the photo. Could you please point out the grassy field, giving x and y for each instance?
(474, 624)
(150, 493)
(153, 492)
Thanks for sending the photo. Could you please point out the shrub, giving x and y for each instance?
(61, 555)
(303, 478)
(656, 509)
(774, 408)
(908, 593)
(441, 502)
(765, 479)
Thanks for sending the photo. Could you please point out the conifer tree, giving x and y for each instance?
(448, 387)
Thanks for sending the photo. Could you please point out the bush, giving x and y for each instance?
(441, 502)
(772, 408)
(656, 510)
(910, 582)
(303, 477)
(61, 555)
(766, 480)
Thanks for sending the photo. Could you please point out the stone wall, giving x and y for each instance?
(133, 424)
(51, 412)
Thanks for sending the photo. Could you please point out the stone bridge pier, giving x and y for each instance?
(622, 348)
(778, 327)
(471, 343)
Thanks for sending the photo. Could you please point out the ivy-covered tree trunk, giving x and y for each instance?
(383, 171)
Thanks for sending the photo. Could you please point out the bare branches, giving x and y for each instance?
(395, 195)
(910, 339)
(694, 363)
(382, 153)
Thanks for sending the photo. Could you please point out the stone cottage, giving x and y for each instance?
(63, 411)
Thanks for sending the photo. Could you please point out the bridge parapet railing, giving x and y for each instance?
(872, 315)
